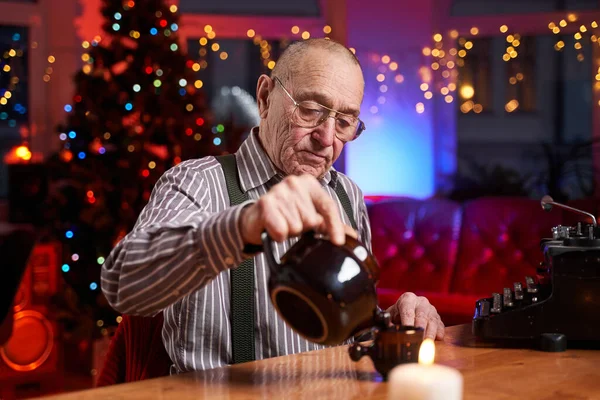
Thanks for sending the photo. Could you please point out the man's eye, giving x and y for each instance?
(344, 123)
(311, 110)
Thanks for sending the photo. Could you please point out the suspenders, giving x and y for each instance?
(242, 277)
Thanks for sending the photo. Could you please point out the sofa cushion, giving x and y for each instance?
(500, 243)
(415, 243)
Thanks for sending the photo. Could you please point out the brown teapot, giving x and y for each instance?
(325, 292)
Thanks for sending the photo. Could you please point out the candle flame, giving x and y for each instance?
(427, 352)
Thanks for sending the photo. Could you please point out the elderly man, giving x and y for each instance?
(189, 239)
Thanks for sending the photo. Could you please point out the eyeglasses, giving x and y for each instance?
(310, 114)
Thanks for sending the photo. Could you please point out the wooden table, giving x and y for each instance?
(489, 373)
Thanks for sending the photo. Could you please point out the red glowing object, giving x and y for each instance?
(145, 173)
(200, 121)
(189, 131)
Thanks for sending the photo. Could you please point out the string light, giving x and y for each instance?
(23, 153)
(467, 91)
(511, 106)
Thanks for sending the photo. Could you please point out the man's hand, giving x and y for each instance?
(414, 310)
(295, 205)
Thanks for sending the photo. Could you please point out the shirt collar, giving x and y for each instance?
(255, 168)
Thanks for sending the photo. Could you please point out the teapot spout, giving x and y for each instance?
(268, 249)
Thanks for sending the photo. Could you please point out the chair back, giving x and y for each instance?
(136, 352)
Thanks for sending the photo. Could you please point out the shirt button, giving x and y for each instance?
(228, 260)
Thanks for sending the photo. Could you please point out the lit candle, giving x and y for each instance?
(425, 380)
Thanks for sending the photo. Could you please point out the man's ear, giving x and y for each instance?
(263, 91)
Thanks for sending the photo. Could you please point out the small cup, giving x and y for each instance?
(392, 346)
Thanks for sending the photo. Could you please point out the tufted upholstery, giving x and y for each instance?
(415, 243)
(500, 243)
(456, 253)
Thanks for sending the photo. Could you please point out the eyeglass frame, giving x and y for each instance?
(361, 127)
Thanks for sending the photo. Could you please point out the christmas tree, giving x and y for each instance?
(136, 112)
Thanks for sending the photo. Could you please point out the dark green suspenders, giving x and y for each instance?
(343, 196)
(242, 278)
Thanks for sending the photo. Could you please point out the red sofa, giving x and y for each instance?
(456, 253)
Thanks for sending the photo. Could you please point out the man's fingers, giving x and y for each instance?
(421, 316)
(329, 211)
(432, 327)
(299, 204)
(423, 312)
(311, 219)
(441, 330)
(348, 230)
(293, 219)
(406, 306)
(273, 221)
(300, 199)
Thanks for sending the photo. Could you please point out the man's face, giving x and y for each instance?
(330, 79)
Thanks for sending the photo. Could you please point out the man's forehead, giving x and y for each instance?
(330, 85)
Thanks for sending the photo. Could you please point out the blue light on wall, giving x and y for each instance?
(395, 155)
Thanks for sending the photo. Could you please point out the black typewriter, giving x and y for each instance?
(560, 303)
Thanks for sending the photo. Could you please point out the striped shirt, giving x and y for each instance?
(178, 255)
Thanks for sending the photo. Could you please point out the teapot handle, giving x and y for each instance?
(268, 249)
(358, 350)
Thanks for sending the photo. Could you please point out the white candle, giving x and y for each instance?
(425, 380)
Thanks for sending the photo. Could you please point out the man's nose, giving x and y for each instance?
(325, 133)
